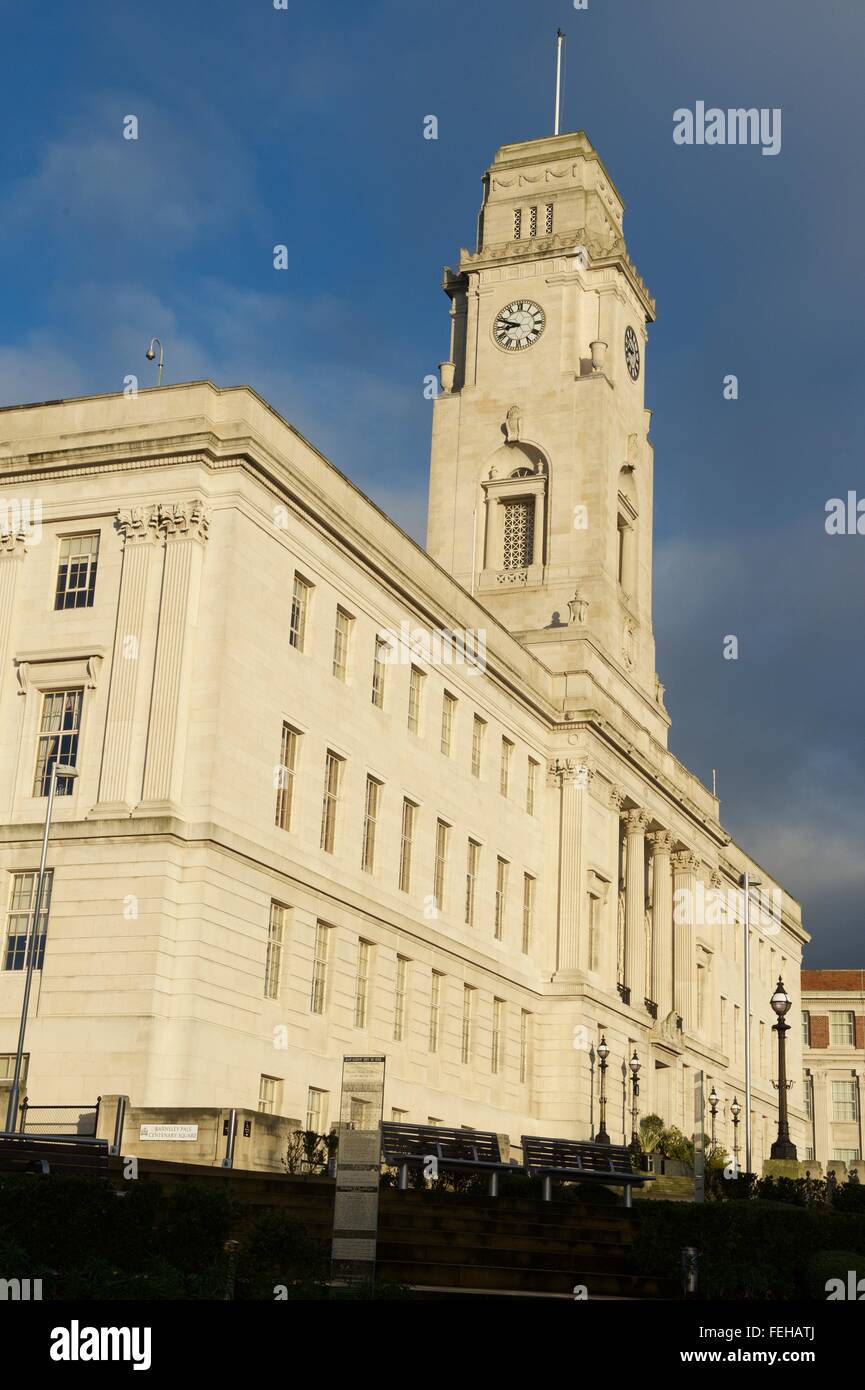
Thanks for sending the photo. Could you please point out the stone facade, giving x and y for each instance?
(308, 824)
(833, 1042)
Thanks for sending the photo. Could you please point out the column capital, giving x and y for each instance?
(617, 798)
(661, 841)
(136, 524)
(716, 879)
(183, 519)
(686, 862)
(635, 821)
(13, 543)
(575, 771)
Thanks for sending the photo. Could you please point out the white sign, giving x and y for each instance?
(168, 1132)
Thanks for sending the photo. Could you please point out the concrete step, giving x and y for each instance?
(521, 1279)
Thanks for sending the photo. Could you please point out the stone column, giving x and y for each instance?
(635, 905)
(138, 530)
(573, 778)
(661, 843)
(685, 867)
(184, 527)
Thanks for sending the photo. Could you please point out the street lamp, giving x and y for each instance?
(592, 1088)
(634, 1064)
(602, 1137)
(713, 1109)
(151, 353)
(783, 1146)
(58, 770)
(735, 1111)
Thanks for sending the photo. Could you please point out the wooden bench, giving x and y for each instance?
(571, 1160)
(23, 1153)
(472, 1150)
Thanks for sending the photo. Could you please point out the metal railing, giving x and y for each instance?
(60, 1121)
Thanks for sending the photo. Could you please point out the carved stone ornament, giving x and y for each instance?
(13, 543)
(136, 524)
(183, 519)
(571, 770)
(578, 608)
(514, 425)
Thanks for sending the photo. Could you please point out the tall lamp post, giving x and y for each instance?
(783, 1146)
(735, 1111)
(592, 1089)
(57, 771)
(602, 1137)
(151, 353)
(713, 1109)
(634, 1065)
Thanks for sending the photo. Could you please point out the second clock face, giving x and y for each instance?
(632, 353)
(519, 325)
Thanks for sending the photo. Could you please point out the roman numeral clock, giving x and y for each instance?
(519, 325)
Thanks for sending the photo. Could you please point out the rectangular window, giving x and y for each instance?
(267, 1093)
(478, 729)
(841, 1029)
(341, 640)
(809, 1097)
(273, 962)
(285, 774)
(701, 998)
(472, 862)
(316, 1110)
(415, 699)
(505, 766)
(59, 729)
(806, 1028)
(528, 912)
(501, 898)
(594, 930)
(525, 1031)
(318, 997)
(441, 861)
(22, 901)
(518, 535)
(468, 1011)
(847, 1156)
(763, 1056)
(299, 612)
(400, 998)
(844, 1100)
(448, 710)
(7, 1066)
(435, 1008)
(370, 823)
(498, 1036)
(361, 986)
(330, 800)
(406, 844)
(379, 667)
(76, 572)
(531, 786)
(398, 1117)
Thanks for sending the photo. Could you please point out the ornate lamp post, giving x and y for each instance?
(713, 1109)
(735, 1111)
(592, 1089)
(602, 1137)
(783, 1146)
(634, 1064)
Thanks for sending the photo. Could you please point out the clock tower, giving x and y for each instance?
(541, 475)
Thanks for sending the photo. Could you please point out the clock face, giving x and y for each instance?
(632, 353)
(519, 325)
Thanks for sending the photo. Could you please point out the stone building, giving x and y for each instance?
(339, 794)
(833, 1053)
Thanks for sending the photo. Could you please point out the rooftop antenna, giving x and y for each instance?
(560, 43)
(151, 353)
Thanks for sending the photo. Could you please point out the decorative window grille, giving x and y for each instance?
(533, 221)
(519, 535)
(549, 219)
(518, 223)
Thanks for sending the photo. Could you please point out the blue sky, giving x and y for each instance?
(304, 127)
